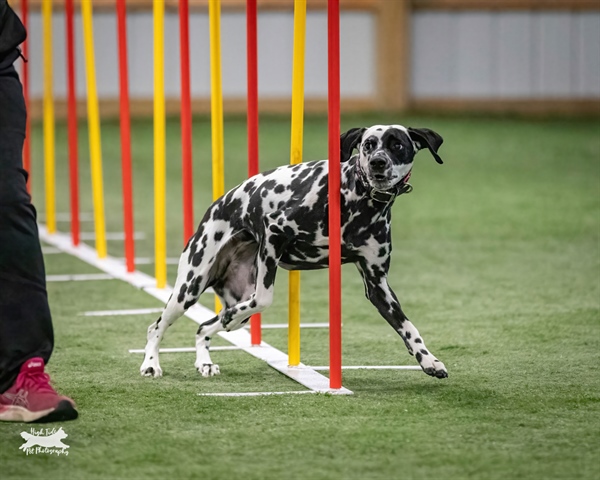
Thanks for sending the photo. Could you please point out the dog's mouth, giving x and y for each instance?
(386, 181)
(380, 177)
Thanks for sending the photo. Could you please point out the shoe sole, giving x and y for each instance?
(64, 411)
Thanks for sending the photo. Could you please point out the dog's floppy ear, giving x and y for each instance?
(426, 138)
(349, 141)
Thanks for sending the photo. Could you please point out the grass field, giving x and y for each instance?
(496, 260)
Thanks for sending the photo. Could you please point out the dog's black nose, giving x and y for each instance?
(377, 163)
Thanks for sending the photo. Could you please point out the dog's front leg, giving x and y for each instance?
(384, 299)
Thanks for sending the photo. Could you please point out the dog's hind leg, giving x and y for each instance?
(173, 310)
(237, 283)
(192, 278)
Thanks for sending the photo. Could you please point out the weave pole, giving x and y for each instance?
(252, 60)
(335, 243)
(94, 129)
(216, 106)
(186, 122)
(160, 216)
(25, 46)
(125, 136)
(295, 158)
(72, 123)
(49, 160)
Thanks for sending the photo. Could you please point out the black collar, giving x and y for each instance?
(384, 196)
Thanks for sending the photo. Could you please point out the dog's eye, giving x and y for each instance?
(397, 146)
(368, 145)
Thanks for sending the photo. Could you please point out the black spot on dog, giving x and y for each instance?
(279, 189)
(190, 275)
(197, 258)
(182, 291)
(418, 340)
(218, 236)
(424, 352)
(408, 335)
(419, 357)
(189, 303)
(195, 288)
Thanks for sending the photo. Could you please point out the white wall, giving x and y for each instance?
(275, 40)
(516, 54)
(454, 54)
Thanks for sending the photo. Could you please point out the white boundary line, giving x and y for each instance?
(240, 338)
(50, 251)
(257, 394)
(186, 349)
(267, 326)
(372, 367)
(79, 277)
(111, 313)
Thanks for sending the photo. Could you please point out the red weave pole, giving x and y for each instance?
(252, 56)
(72, 124)
(186, 123)
(27, 144)
(125, 136)
(335, 292)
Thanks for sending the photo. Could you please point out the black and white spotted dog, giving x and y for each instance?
(279, 218)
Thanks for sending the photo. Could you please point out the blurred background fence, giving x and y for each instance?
(525, 56)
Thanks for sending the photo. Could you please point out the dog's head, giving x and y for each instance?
(386, 152)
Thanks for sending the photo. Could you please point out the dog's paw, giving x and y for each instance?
(209, 370)
(433, 367)
(151, 369)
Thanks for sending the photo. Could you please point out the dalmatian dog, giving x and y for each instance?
(280, 218)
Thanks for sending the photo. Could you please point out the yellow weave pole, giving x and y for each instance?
(49, 170)
(296, 157)
(94, 129)
(160, 215)
(216, 106)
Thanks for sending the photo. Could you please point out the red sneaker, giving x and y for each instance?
(32, 399)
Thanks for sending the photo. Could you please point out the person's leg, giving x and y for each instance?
(25, 322)
(26, 335)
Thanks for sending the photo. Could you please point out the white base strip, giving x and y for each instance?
(186, 349)
(255, 394)
(112, 313)
(279, 361)
(200, 314)
(372, 367)
(112, 236)
(79, 277)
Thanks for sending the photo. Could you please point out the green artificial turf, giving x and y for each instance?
(496, 261)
